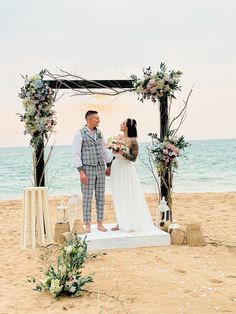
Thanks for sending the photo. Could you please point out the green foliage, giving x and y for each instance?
(65, 278)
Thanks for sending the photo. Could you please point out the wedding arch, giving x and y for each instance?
(39, 94)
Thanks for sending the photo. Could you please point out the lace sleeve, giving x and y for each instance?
(133, 153)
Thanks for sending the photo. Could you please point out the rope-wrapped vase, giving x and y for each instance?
(61, 228)
(178, 236)
(194, 235)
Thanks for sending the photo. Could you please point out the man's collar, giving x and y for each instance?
(95, 129)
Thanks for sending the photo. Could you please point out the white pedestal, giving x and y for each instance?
(36, 223)
(98, 240)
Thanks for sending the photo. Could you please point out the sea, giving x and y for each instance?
(208, 166)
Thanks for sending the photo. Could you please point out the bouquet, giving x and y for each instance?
(117, 144)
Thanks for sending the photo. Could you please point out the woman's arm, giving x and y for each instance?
(133, 153)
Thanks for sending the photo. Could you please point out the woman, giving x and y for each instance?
(131, 209)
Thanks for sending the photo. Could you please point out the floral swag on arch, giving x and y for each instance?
(38, 101)
(155, 86)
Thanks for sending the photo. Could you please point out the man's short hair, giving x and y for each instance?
(90, 113)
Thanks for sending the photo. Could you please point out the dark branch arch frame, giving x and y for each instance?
(125, 85)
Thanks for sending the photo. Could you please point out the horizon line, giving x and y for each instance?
(192, 140)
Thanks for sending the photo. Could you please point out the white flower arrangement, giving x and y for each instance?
(39, 116)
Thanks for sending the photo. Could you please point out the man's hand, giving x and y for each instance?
(83, 177)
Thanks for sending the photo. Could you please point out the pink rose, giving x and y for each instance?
(152, 83)
(47, 121)
(166, 162)
(171, 146)
(153, 90)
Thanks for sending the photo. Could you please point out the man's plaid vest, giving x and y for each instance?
(91, 150)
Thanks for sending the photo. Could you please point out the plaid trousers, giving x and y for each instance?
(96, 181)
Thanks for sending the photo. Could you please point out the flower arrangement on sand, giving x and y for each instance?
(156, 85)
(66, 278)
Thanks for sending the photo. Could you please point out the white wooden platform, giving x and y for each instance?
(98, 240)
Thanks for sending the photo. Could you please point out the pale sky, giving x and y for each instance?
(105, 39)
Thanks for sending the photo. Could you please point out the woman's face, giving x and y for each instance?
(123, 126)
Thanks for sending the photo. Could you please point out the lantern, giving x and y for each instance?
(62, 225)
(73, 204)
(62, 213)
(163, 213)
(173, 225)
(75, 215)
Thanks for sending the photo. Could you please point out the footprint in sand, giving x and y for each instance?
(182, 271)
(216, 281)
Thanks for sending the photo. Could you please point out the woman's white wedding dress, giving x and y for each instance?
(132, 212)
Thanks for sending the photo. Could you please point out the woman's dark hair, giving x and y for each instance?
(132, 127)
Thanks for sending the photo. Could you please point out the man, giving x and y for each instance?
(91, 155)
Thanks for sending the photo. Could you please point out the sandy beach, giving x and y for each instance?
(175, 279)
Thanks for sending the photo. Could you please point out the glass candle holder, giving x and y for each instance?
(62, 213)
(74, 207)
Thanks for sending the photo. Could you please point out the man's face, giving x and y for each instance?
(94, 120)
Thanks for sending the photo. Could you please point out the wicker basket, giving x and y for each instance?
(61, 228)
(78, 227)
(194, 235)
(178, 236)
